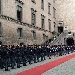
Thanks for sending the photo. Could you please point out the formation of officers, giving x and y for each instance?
(11, 56)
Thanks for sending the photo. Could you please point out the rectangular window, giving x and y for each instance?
(0, 29)
(33, 17)
(49, 5)
(53, 1)
(54, 11)
(0, 6)
(44, 37)
(34, 35)
(42, 4)
(19, 32)
(33, 1)
(54, 25)
(42, 21)
(19, 13)
(49, 22)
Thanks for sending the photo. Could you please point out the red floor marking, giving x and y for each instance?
(45, 67)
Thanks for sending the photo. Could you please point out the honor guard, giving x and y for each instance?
(12, 56)
(24, 55)
(6, 57)
(35, 54)
(18, 56)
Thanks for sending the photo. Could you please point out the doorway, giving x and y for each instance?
(0, 43)
(70, 41)
(21, 43)
(60, 29)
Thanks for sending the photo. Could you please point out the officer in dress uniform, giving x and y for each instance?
(66, 48)
(50, 52)
(64, 51)
(12, 56)
(53, 51)
(47, 48)
(38, 53)
(6, 52)
(42, 53)
(35, 53)
(18, 56)
(1, 57)
(24, 56)
(73, 48)
(21, 52)
(30, 54)
(59, 50)
(69, 48)
(45, 52)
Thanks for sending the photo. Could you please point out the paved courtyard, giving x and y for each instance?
(67, 68)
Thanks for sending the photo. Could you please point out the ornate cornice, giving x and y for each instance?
(21, 23)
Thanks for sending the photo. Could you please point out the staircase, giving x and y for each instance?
(59, 39)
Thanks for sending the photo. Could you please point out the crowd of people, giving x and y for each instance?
(11, 56)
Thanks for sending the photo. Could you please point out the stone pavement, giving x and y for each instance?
(67, 68)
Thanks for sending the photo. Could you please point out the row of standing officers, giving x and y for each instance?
(11, 56)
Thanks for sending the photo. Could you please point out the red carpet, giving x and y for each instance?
(45, 67)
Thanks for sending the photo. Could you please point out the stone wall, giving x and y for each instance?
(10, 35)
(66, 13)
(10, 24)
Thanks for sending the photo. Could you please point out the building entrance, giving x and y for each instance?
(70, 41)
(0, 43)
(60, 29)
(21, 44)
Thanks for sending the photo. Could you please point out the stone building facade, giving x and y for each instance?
(65, 12)
(26, 21)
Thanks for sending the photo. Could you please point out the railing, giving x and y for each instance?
(58, 38)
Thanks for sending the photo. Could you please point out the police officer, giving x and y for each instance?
(30, 52)
(6, 52)
(18, 56)
(44, 52)
(38, 52)
(24, 56)
(41, 53)
(35, 52)
(58, 50)
(12, 56)
(50, 52)
(0, 55)
(53, 50)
